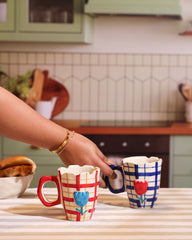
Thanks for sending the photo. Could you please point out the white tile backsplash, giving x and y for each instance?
(111, 86)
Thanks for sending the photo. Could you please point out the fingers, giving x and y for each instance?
(104, 164)
(102, 183)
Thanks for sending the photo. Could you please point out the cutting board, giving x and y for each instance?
(36, 90)
(53, 88)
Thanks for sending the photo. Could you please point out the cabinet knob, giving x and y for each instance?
(101, 144)
(147, 144)
(124, 144)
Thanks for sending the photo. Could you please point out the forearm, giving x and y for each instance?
(20, 122)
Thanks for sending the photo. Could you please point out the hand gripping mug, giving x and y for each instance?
(77, 191)
(140, 178)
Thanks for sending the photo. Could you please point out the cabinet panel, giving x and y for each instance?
(12, 147)
(182, 181)
(50, 26)
(47, 162)
(45, 166)
(18, 27)
(137, 144)
(8, 8)
(182, 165)
(1, 152)
(182, 145)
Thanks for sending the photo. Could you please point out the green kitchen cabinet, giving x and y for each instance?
(7, 23)
(1, 148)
(46, 23)
(134, 7)
(181, 161)
(47, 162)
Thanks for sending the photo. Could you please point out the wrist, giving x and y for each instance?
(59, 149)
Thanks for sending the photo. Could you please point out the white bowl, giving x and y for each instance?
(14, 187)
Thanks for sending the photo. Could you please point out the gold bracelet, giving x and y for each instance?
(61, 150)
(62, 144)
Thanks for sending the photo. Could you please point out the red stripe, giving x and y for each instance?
(91, 211)
(93, 199)
(68, 199)
(78, 214)
(78, 185)
(77, 182)
(95, 195)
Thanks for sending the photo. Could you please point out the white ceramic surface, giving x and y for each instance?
(14, 187)
(188, 111)
(45, 108)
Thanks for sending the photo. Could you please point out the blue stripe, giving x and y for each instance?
(149, 188)
(136, 172)
(143, 174)
(155, 190)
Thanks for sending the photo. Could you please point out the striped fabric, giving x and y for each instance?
(79, 183)
(26, 218)
(143, 172)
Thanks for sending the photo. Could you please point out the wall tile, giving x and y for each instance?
(4, 58)
(112, 86)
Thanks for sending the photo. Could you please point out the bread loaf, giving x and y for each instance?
(16, 166)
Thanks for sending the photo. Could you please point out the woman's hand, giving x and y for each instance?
(82, 151)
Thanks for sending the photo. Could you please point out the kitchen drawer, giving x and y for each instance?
(12, 147)
(182, 165)
(182, 182)
(131, 143)
(182, 145)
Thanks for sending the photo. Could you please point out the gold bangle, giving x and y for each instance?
(62, 144)
(61, 150)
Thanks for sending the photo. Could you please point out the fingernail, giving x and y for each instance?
(109, 162)
(114, 175)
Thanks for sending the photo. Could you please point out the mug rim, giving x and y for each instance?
(141, 160)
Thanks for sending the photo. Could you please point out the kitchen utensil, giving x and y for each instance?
(181, 90)
(188, 111)
(141, 176)
(36, 90)
(53, 88)
(45, 108)
(77, 190)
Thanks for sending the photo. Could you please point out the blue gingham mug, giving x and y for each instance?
(140, 177)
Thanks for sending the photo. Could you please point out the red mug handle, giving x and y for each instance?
(41, 196)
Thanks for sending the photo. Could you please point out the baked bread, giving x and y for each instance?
(16, 166)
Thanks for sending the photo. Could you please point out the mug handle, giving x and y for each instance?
(41, 196)
(107, 181)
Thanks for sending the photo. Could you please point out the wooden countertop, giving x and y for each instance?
(176, 128)
(27, 218)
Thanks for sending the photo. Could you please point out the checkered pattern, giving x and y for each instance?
(82, 182)
(151, 172)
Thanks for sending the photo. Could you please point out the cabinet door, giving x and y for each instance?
(1, 153)
(181, 161)
(7, 15)
(50, 16)
(46, 165)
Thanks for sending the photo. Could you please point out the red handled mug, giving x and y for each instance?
(77, 191)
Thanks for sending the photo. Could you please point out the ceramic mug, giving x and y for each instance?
(140, 177)
(77, 191)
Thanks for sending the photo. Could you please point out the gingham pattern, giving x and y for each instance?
(71, 183)
(149, 172)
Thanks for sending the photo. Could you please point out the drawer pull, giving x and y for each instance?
(147, 144)
(102, 144)
(124, 144)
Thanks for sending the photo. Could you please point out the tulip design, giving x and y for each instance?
(81, 199)
(141, 189)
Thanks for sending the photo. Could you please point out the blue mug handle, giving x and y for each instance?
(107, 181)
